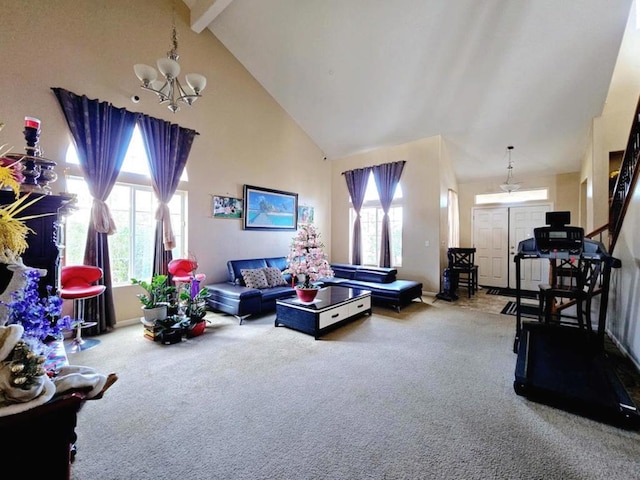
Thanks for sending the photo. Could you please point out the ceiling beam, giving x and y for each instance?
(204, 12)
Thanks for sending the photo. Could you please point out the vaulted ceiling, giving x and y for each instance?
(362, 74)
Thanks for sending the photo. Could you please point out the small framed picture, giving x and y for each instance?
(305, 214)
(227, 207)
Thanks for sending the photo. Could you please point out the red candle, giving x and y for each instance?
(32, 122)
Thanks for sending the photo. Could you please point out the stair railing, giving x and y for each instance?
(601, 235)
(626, 180)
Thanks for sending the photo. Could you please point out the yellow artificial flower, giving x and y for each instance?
(7, 177)
(13, 230)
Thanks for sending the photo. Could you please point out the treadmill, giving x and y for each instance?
(564, 365)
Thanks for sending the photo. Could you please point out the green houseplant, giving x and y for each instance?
(157, 296)
(193, 305)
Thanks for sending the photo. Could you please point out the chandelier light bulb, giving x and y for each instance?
(168, 67)
(145, 73)
(196, 81)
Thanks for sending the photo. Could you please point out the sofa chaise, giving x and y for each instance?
(385, 288)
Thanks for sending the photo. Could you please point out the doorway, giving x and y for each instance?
(497, 231)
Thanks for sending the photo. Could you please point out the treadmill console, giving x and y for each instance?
(559, 238)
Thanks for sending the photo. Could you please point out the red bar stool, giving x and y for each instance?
(182, 270)
(77, 284)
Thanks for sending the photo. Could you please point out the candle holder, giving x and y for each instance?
(38, 172)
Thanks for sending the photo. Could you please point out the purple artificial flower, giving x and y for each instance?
(40, 317)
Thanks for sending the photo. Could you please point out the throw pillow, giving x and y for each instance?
(254, 278)
(274, 277)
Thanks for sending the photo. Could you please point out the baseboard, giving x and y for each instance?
(623, 350)
(128, 322)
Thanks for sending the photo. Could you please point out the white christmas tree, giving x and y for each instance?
(307, 258)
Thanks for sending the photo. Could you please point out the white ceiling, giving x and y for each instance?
(361, 74)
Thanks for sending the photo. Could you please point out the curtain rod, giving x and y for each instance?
(373, 166)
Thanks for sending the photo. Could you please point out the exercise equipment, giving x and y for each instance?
(564, 364)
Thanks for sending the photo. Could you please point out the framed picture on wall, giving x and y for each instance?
(268, 209)
(227, 207)
(305, 214)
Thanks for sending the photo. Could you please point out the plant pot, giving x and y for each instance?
(307, 295)
(196, 329)
(155, 313)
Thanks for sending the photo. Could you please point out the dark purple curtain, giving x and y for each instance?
(168, 146)
(357, 185)
(387, 177)
(101, 134)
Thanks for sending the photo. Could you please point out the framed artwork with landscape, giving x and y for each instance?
(227, 207)
(268, 209)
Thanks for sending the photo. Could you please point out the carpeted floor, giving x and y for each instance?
(425, 393)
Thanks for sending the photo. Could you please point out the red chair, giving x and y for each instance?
(77, 283)
(182, 270)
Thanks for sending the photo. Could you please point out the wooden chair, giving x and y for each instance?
(462, 266)
(573, 282)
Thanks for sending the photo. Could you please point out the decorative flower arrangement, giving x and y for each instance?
(40, 317)
(13, 230)
(10, 173)
(192, 301)
(307, 258)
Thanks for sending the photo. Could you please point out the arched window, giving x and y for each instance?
(133, 204)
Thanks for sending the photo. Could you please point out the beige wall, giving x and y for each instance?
(421, 190)
(564, 192)
(90, 46)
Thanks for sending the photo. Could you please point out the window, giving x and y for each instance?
(453, 213)
(371, 222)
(133, 205)
(517, 196)
(135, 161)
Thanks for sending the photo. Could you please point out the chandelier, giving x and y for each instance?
(509, 184)
(169, 89)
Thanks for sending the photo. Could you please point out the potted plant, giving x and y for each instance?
(193, 306)
(156, 299)
(307, 262)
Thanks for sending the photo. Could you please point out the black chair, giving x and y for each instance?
(573, 282)
(462, 266)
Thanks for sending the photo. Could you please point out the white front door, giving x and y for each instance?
(491, 237)
(497, 231)
(522, 221)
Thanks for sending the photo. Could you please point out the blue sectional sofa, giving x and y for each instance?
(385, 288)
(236, 298)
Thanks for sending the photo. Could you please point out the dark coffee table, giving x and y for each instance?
(332, 307)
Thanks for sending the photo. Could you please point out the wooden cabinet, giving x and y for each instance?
(52, 425)
(45, 240)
